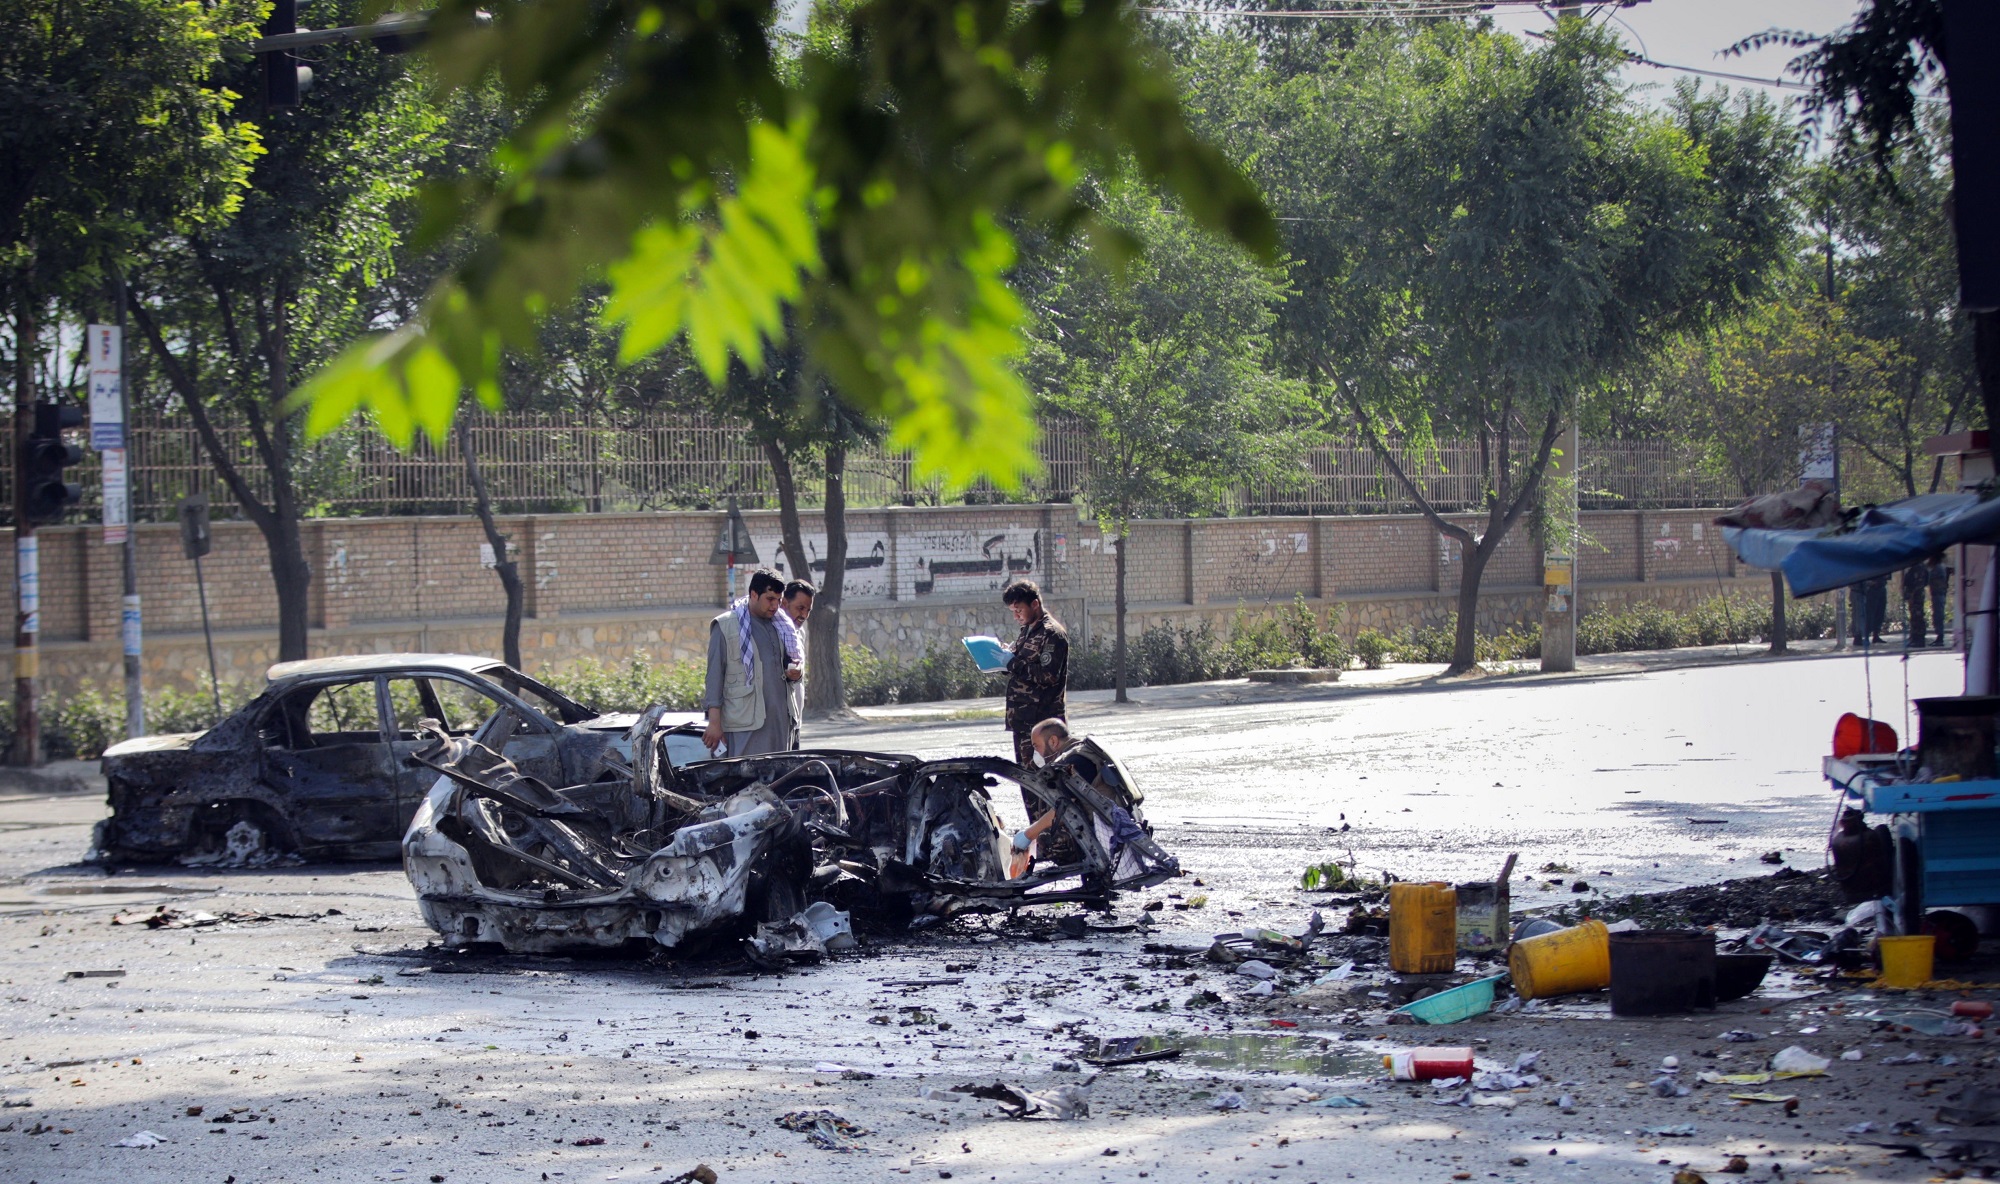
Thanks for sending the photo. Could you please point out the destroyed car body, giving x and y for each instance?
(315, 766)
(756, 847)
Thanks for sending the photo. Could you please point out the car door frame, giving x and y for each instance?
(314, 813)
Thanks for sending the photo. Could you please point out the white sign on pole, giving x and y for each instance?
(1818, 453)
(116, 497)
(28, 574)
(107, 403)
(134, 645)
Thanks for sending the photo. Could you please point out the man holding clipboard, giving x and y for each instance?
(1037, 667)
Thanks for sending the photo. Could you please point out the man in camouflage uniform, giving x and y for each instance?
(1038, 672)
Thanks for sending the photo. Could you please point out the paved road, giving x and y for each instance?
(324, 1038)
(1599, 773)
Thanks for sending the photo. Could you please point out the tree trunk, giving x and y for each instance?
(1986, 363)
(1778, 630)
(826, 691)
(503, 558)
(291, 576)
(788, 510)
(1118, 649)
(284, 532)
(1465, 643)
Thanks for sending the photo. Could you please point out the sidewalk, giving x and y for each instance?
(1412, 676)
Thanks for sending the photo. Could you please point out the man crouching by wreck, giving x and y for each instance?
(753, 656)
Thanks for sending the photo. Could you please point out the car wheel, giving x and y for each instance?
(238, 836)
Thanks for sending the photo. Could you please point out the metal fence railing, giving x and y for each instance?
(658, 461)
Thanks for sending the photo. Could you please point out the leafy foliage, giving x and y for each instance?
(1374, 648)
(713, 181)
(1486, 233)
(112, 130)
(638, 684)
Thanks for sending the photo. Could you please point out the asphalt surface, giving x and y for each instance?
(1661, 778)
(340, 1043)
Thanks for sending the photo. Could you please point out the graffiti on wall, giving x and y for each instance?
(868, 576)
(965, 562)
(1269, 565)
(925, 563)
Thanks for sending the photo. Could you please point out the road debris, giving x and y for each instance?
(1061, 1104)
(824, 1129)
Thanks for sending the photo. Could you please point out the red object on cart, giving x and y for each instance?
(1853, 735)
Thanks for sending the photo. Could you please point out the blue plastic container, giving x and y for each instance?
(1459, 1003)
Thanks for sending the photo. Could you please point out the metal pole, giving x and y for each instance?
(27, 749)
(1562, 594)
(214, 684)
(129, 630)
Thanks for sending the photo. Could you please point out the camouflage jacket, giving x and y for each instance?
(1038, 675)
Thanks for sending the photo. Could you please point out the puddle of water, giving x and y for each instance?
(1246, 1052)
(118, 889)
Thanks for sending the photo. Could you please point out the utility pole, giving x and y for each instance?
(27, 748)
(1561, 604)
(110, 434)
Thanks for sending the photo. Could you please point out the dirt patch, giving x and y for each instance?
(1786, 895)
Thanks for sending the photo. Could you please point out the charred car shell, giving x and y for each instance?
(743, 847)
(316, 765)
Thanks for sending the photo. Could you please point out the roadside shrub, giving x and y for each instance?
(175, 710)
(84, 724)
(1090, 667)
(636, 685)
(1172, 654)
(1719, 620)
(1374, 648)
(1316, 642)
(874, 679)
(1434, 643)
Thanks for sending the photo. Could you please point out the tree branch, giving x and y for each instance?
(1381, 450)
(184, 386)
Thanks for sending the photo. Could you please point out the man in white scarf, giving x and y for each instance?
(754, 657)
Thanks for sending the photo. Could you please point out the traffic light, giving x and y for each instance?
(284, 78)
(45, 457)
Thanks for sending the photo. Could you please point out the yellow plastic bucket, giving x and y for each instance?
(1423, 928)
(1563, 962)
(1907, 961)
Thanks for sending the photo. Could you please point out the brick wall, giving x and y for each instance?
(609, 586)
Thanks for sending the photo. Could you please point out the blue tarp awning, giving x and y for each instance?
(1884, 539)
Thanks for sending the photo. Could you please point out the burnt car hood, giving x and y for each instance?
(755, 847)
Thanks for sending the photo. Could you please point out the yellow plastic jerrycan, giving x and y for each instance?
(1563, 962)
(1423, 928)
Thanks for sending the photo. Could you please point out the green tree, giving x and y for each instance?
(1895, 271)
(667, 148)
(111, 133)
(234, 314)
(1488, 234)
(1167, 366)
(1869, 80)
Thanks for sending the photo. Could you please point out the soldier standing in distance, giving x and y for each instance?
(1038, 672)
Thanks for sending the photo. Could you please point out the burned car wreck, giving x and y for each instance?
(315, 768)
(777, 850)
